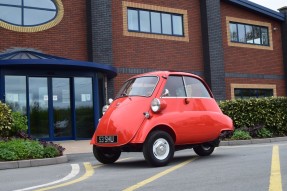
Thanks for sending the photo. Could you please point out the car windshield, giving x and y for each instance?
(142, 86)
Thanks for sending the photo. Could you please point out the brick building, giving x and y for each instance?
(60, 60)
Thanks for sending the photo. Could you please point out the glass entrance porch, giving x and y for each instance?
(57, 108)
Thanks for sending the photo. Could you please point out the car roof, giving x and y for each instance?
(170, 73)
(166, 73)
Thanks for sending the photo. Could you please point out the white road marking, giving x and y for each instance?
(74, 172)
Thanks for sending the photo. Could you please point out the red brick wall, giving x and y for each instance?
(249, 60)
(67, 39)
(136, 52)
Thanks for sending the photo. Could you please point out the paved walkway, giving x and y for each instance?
(75, 147)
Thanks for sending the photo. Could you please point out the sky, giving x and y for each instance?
(271, 4)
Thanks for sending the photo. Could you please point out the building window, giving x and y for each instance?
(245, 91)
(249, 34)
(150, 21)
(27, 15)
(155, 22)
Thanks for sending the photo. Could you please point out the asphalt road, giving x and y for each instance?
(259, 167)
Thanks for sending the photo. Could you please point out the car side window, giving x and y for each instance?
(174, 87)
(195, 88)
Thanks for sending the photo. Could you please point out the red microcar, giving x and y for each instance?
(158, 113)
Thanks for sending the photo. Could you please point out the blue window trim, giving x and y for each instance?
(65, 74)
(161, 33)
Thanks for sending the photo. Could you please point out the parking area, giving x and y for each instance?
(246, 167)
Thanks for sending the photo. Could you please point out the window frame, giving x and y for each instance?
(59, 13)
(253, 86)
(161, 22)
(253, 31)
(155, 9)
(267, 26)
(252, 89)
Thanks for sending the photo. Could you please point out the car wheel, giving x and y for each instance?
(106, 155)
(158, 148)
(203, 150)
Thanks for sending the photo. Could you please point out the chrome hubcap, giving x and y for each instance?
(205, 147)
(161, 149)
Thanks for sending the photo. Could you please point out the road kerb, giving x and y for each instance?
(33, 162)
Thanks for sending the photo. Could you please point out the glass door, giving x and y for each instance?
(15, 93)
(62, 123)
(57, 108)
(38, 104)
(84, 107)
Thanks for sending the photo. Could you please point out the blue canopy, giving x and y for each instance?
(31, 58)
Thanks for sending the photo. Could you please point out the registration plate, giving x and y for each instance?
(107, 139)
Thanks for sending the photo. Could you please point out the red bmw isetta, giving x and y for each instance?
(159, 113)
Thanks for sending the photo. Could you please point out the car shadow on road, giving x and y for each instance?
(138, 163)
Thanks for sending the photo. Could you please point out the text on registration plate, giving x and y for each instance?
(107, 139)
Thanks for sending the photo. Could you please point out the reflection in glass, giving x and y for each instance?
(142, 86)
(6, 16)
(245, 93)
(249, 34)
(175, 87)
(46, 4)
(241, 33)
(133, 20)
(15, 93)
(37, 17)
(155, 22)
(256, 34)
(166, 23)
(144, 21)
(264, 36)
(27, 12)
(11, 2)
(177, 25)
(38, 102)
(195, 88)
(84, 107)
(61, 107)
(233, 32)
(101, 88)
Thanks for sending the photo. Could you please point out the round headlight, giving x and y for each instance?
(155, 105)
(104, 109)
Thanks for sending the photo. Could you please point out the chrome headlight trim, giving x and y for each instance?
(155, 105)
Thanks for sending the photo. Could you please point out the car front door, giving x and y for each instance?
(188, 106)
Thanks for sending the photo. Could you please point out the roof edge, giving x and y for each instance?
(48, 60)
(258, 8)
